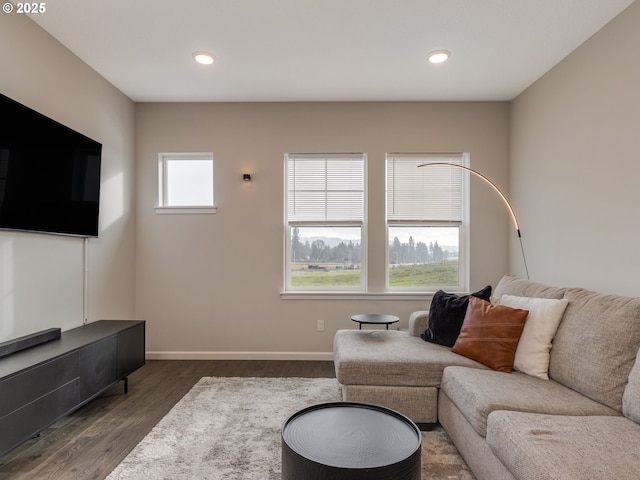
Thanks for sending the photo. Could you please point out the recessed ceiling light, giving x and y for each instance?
(204, 58)
(439, 56)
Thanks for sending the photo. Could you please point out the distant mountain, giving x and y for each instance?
(334, 241)
(331, 241)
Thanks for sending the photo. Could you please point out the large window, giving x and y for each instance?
(185, 183)
(325, 221)
(426, 222)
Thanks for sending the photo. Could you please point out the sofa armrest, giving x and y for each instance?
(418, 322)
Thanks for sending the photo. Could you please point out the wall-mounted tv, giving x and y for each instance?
(49, 174)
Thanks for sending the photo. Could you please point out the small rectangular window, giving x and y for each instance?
(186, 183)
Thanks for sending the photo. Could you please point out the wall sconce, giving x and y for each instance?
(246, 177)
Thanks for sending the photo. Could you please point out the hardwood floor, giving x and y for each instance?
(90, 442)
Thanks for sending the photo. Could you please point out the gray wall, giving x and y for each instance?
(41, 276)
(575, 164)
(209, 286)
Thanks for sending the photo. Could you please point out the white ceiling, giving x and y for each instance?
(324, 50)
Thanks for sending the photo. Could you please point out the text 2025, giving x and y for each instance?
(31, 7)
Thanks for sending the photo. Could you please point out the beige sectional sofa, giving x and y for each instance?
(581, 423)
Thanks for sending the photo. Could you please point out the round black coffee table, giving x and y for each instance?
(350, 441)
(375, 319)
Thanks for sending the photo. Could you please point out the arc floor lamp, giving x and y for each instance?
(498, 191)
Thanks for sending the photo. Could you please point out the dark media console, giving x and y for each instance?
(42, 384)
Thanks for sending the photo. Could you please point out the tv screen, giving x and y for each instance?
(49, 174)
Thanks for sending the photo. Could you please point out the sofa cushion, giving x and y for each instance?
(565, 447)
(446, 314)
(596, 345)
(532, 354)
(490, 334)
(631, 397)
(477, 393)
(512, 285)
(391, 357)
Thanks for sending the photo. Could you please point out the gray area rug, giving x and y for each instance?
(229, 428)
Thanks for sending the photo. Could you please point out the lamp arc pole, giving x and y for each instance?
(498, 191)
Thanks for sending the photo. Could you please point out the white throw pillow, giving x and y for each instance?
(532, 354)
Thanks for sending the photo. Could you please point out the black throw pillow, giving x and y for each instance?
(446, 315)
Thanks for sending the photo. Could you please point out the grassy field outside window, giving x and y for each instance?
(331, 275)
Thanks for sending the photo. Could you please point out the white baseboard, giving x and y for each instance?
(326, 356)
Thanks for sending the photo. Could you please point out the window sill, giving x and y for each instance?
(210, 210)
(306, 295)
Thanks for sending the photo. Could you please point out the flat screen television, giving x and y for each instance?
(49, 174)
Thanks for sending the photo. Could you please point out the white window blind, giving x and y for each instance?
(325, 188)
(427, 194)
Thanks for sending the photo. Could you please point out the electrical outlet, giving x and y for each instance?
(320, 325)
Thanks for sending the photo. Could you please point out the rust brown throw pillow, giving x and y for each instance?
(490, 334)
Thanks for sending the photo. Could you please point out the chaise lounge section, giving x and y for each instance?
(581, 422)
(393, 368)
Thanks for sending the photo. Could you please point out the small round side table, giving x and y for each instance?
(374, 319)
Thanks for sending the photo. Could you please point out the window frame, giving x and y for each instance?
(163, 207)
(290, 224)
(463, 225)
